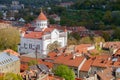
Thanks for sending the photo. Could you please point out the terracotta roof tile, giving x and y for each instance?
(105, 61)
(6, 22)
(55, 78)
(27, 59)
(82, 48)
(38, 34)
(78, 79)
(101, 61)
(111, 44)
(86, 66)
(48, 30)
(106, 74)
(34, 35)
(42, 16)
(117, 52)
(66, 59)
(10, 51)
(23, 67)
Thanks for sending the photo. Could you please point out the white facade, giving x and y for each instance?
(41, 24)
(29, 44)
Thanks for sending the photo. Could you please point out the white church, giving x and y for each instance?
(40, 37)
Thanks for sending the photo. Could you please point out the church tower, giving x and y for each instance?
(41, 22)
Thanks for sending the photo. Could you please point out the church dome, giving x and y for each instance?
(42, 16)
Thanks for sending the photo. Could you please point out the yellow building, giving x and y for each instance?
(9, 63)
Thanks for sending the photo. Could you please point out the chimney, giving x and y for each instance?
(102, 71)
(73, 56)
(109, 59)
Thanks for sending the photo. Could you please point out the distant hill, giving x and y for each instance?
(36, 2)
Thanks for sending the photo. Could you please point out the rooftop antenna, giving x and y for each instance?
(41, 9)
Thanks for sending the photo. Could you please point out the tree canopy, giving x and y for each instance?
(9, 38)
(53, 45)
(32, 62)
(116, 34)
(86, 40)
(65, 72)
(12, 76)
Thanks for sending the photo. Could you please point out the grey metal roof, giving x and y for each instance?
(40, 68)
(6, 58)
(43, 68)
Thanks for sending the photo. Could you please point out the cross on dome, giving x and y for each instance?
(42, 16)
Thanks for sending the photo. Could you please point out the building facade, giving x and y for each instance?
(9, 63)
(41, 36)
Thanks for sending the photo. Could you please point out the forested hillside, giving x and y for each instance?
(36, 3)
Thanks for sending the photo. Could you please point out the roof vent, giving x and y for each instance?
(73, 56)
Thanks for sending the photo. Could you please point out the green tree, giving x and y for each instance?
(86, 40)
(98, 39)
(32, 62)
(106, 36)
(52, 21)
(107, 17)
(53, 45)
(72, 41)
(101, 25)
(116, 34)
(12, 76)
(65, 72)
(9, 38)
(116, 17)
(1, 15)
(76, 36)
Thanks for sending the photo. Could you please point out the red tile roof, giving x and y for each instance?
(106, 74)
(6, 22)
(38, 34)
(68, 60)
(105, 61)
(42, 16)
(82, 48)
(100, 61)
(52, 55)
(77, 29)
(111, 44)
(78, 79)
(117, 52)
(34, 35)
(27, 59)
(86, 66)
(23, 67)
(10, 51)
(48, 30)
(55, 78)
